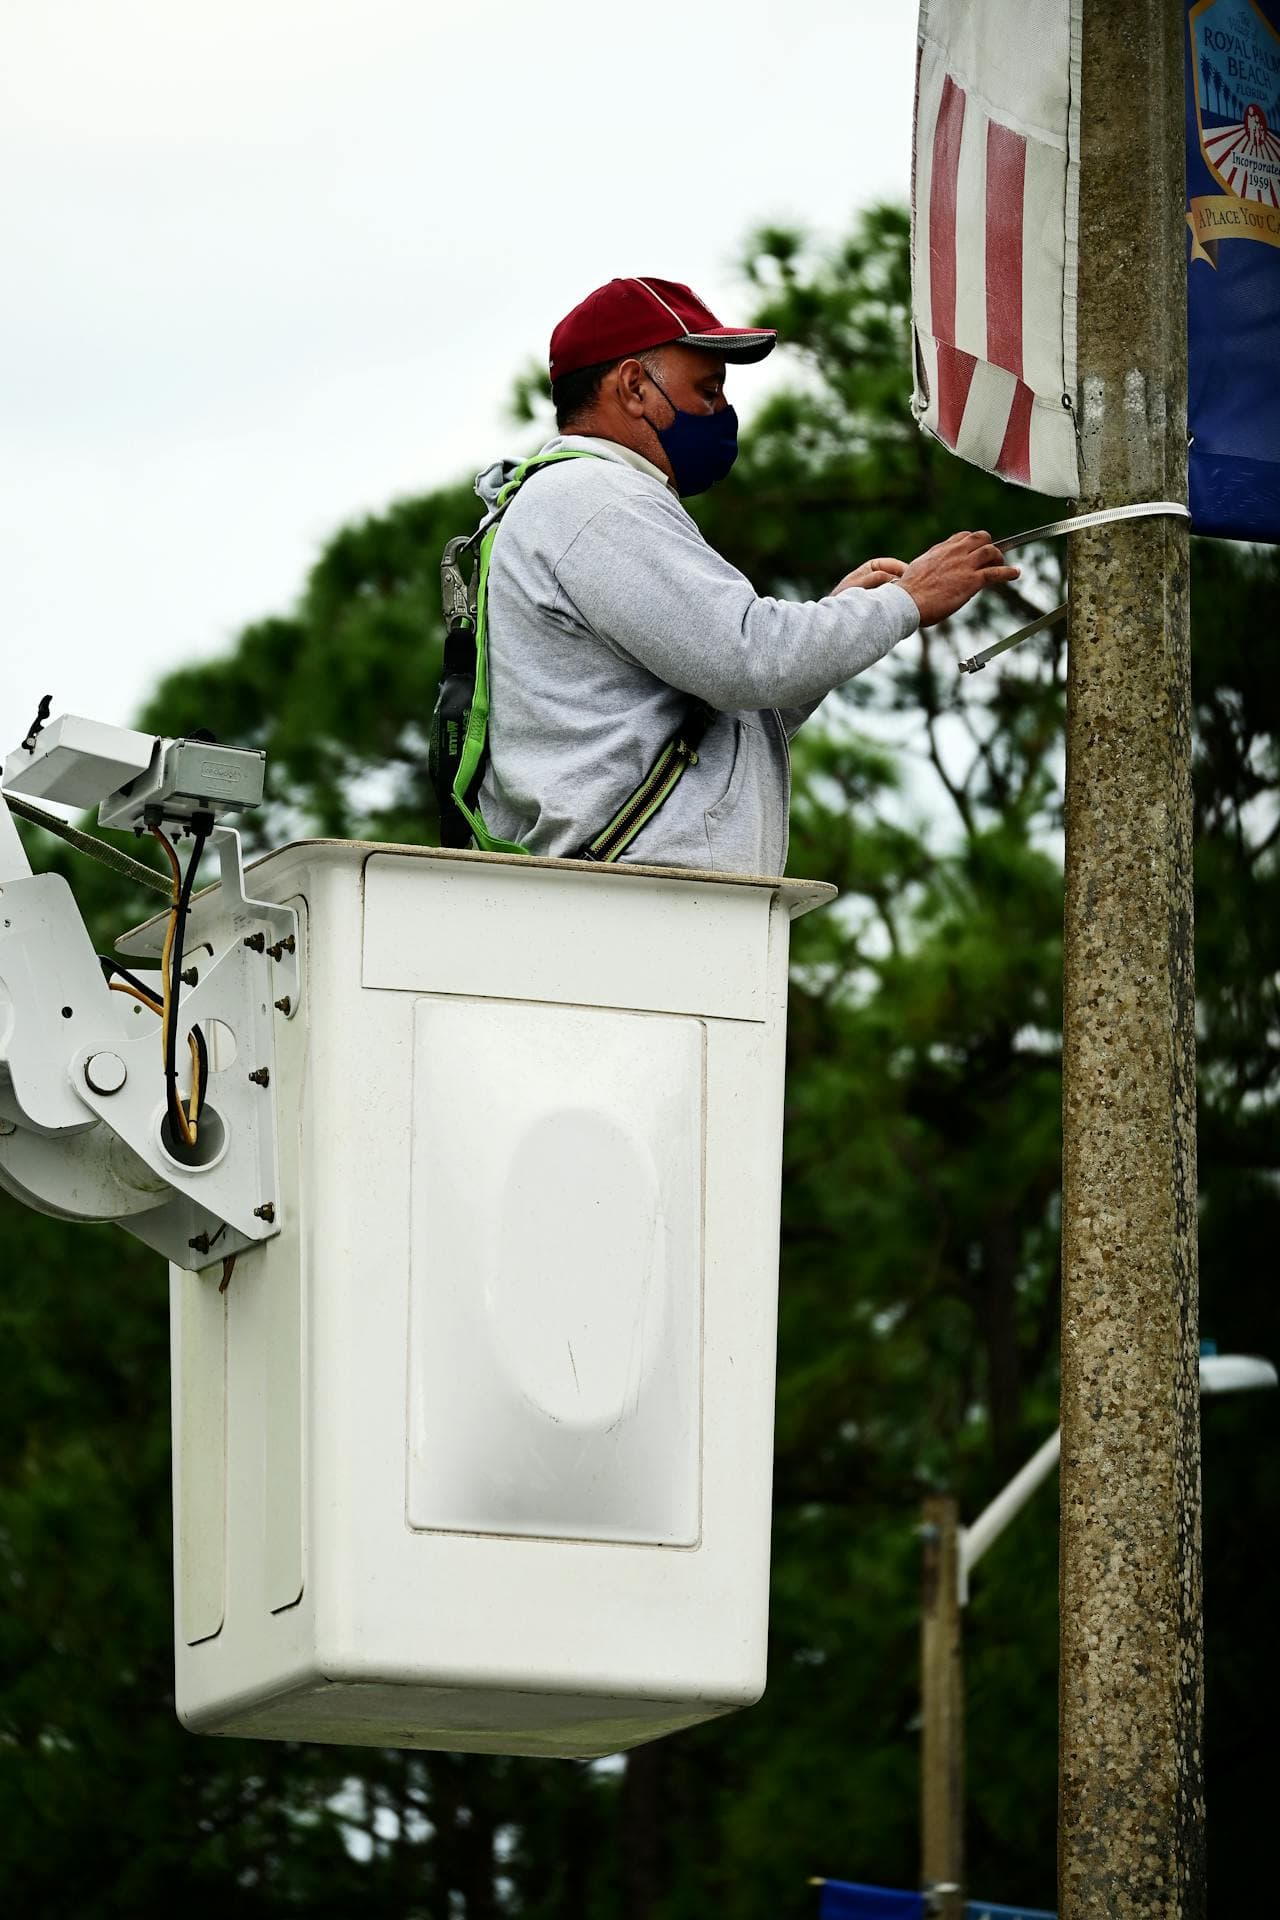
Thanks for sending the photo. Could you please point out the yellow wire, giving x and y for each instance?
(155, 1006)
(193, 1101)
(175, 869)
(147, 1000)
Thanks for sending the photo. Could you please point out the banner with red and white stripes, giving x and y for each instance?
(994, 207)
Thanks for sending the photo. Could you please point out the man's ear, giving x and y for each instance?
(630, 376)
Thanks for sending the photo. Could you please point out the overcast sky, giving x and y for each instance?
(271, 264)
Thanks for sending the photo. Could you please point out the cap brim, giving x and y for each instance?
(743, 344)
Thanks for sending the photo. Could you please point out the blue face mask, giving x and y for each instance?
(701, 447)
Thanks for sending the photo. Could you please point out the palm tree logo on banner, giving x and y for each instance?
(1246, 157)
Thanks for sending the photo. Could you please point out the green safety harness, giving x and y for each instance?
(458, 750)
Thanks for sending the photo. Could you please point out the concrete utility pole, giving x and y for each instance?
(1131, 1812)
(941, 1713)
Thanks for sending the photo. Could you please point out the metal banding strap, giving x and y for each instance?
(1077, 523)
(89, 843)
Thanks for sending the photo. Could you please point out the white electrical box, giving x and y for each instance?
(75, 761)
(475, 1454)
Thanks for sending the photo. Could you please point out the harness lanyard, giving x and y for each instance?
(1142, 510)
(678, 753)
(656, 787)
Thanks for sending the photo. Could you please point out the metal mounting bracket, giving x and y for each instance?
(230, 903)
(107, 1070)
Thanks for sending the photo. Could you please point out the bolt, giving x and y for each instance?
(190, 978)
(265, 1212)
(257, 941)
(105, 1073)
(282, 947)
(283, 1006)
(7, 1127)
(200, 1243)
(262, 1077)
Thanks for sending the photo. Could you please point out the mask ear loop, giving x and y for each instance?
(1140, 510)
(659, 431)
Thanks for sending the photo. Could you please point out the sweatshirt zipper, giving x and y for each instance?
(645, 801)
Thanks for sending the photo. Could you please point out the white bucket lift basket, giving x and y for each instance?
(475, 1453)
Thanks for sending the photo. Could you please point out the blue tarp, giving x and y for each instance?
(1233, 276)
(850, 1900)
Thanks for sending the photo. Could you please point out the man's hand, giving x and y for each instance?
(942, 580)
(872, 573)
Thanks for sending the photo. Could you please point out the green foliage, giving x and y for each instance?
(920, 1255)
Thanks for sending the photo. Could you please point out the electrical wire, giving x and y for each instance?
(202, 824)
(177, 1117)
(185, 1119)
(136, 990)
(197, 1084)
(195, 1041)
(199, 1072)
(147, 1000)
(112, 968)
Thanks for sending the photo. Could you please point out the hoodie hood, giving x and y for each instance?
(489, 484)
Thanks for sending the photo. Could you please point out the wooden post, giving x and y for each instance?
(942, 1713)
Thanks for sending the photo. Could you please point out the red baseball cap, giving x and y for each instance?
(630, 316)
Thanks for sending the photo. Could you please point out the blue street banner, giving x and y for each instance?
(983, 1910)
(851, 1900)
(1233, 275)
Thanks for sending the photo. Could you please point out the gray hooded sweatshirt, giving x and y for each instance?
(607, 610)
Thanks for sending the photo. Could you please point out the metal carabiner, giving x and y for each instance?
(455, 588)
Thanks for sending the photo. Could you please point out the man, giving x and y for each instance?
(613, 626)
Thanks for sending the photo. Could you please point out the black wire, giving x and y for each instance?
(178, 1145)
(202, 1051)
(110, 966)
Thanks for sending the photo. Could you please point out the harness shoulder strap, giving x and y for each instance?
(475, 743)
